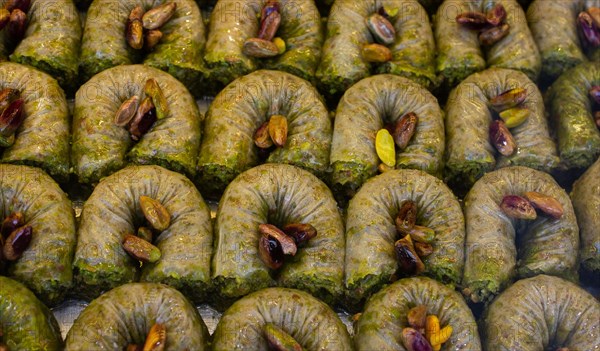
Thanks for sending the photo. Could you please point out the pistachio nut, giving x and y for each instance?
(4, 17)
(269, 26)
(423, 249)
(547, 204)
(11, 118)
(387, 11)
(22, 5)
(156, 338)
(140, 249)
(414, 341)
(12, 222)
(409, 261)
(508, 99)
(159, 15)
(145, 233)
(260, 48)
(517, 207)
(279, 340)
(143, 120)
(278, 130)
(588, 29)
(135, 30)
(134, 347)
(472, 20)
(7, 97)
(493, 35)
(156, 214)
(17, 24)
(422, 234)
(514, 117)
(404, 129)
(280, 43)
(127, 111)
(153, 90)
(407, 217)
(270, 251)
(262, 139)
(417, 316)
(288, 246)
(381, 29)
(376, 53)
(152, 39)
(595, 13)
(496, 15)
(595, 94)
(384, 146)
(502, 139)
(270, 7)
(300, 232)
(17, 242)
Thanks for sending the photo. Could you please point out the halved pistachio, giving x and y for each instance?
(376, 53)
(472, 20)
(22, 5)
(502, 139)
(11, 118)
(7, 97)
(410, 263)
(496, 15)
(279, 340)
(384, 146)
(493, 35)
(404, 129)
(514, 117)
(423, 249)
(280, 43)
(270, 7)
(547, 204)
(153, 90)
(159, 15)
(140, 249)
(156, 338)
(143, 120)
(262, 139)
(12, 222)
(381, 29)
(4, 17)
(517, 207)
(153, 37)
(278, 130)
(260, 48)
(156, 214)
(509, 99)
(17, 242)
(422, 234)
(417, 316)
(288, 246)
(595, 94)
(135, 30)
(269, 26)
(415, 341)
(300, 232)
(145, 233)
(588, 29)
(17, 24)
(127, 111)
(407, 217)
(270, 252)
